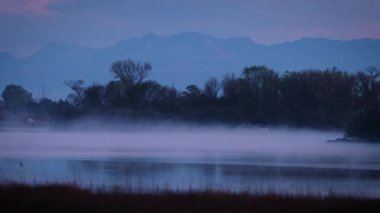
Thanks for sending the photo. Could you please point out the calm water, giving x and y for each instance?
(234, 160)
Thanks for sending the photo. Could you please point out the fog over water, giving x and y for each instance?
(180, 157)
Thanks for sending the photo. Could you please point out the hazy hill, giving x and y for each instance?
(181, 59)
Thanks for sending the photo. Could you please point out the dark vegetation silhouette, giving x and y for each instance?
(323, 99)
(70, 198)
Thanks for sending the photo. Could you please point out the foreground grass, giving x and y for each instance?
(70, 198)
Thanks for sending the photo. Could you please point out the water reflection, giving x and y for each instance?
(257, 162)
(160, 174)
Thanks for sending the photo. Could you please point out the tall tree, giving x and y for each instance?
(130, 72)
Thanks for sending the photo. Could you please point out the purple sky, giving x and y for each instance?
(26, 25)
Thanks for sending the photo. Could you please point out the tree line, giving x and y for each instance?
(325, 99)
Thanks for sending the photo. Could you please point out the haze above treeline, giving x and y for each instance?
(181, 59)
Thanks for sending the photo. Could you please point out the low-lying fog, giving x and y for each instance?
(245, 149)
(188, 142)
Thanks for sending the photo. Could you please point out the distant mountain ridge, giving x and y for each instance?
(181, 59)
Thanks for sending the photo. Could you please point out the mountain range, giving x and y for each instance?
(181, 59)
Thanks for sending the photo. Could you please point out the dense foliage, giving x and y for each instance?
(312, 98)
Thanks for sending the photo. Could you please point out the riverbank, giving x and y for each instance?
(69, 198)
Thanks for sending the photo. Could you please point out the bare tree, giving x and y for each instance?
(44, 93)
(78, 89)
(374, 74)
(130, 72)
(211, 87)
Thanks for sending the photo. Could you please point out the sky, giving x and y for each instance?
(27, 25)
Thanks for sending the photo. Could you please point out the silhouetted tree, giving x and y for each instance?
(230, 86)
(116, 95)
(93, 97)
(211, 88)
(130, 72)
(313, 98)
(16, 96)
(259, 94)
(77, 87)
(365, 122)
(192, 91)
(141, 96)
